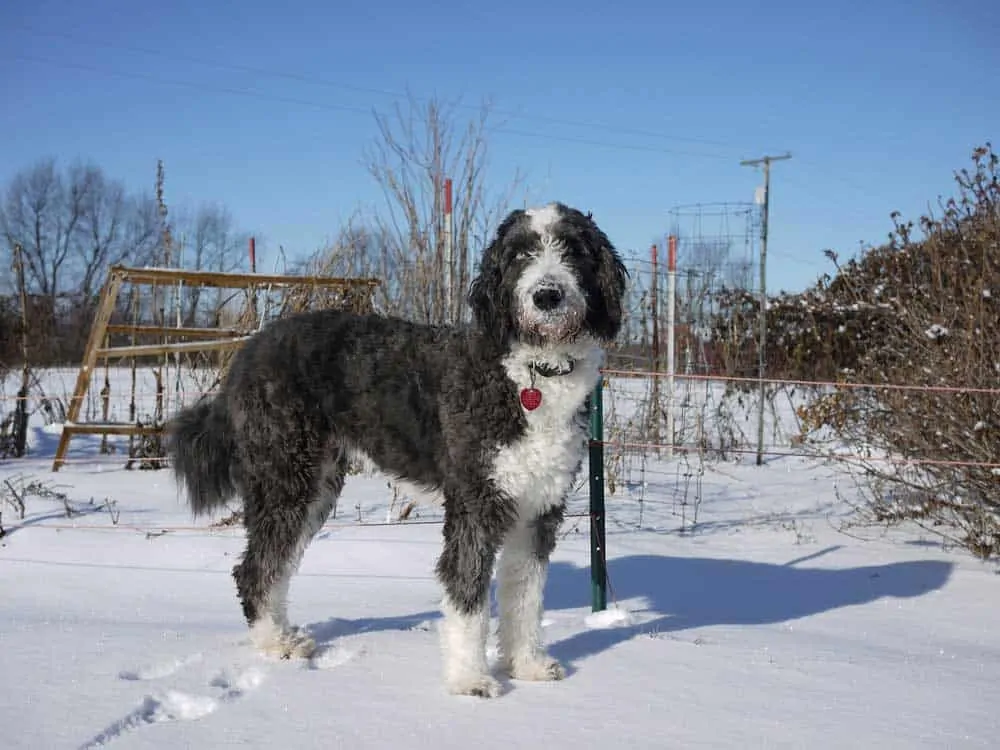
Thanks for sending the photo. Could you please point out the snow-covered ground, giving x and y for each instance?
(765, 626)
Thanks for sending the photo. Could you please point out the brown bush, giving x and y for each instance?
(924, 310)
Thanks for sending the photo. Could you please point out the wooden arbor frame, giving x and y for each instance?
(205, 339)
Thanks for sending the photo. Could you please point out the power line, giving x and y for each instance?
(327, 83)
(188, 84)
(341, 107)
(608, 144)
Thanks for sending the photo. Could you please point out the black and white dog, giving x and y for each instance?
(491, 418)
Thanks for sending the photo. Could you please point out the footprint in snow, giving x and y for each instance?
(158, 670)
(176, 705)
(236, 685)
(169, 705)
(331, 657)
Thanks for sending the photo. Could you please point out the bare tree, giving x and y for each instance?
(142, 230)
(209, 241)
(43, 215)
(419, 145)
(114, 228)
(72, 226)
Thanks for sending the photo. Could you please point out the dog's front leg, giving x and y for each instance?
(521, 580)
(465, 568)
(463, 641)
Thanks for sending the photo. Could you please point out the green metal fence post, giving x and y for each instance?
(598, 558)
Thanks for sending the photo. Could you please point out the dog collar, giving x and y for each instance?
(547, 370)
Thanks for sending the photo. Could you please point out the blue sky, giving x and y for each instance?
(626, 109)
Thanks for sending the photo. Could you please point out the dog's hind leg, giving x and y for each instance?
(521, 576)
(278, 531)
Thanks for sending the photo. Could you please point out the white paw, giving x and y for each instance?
(479, 685)
(286, 643)
(295, 645)
(540, 669)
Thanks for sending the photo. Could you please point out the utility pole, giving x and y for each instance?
(762, 343)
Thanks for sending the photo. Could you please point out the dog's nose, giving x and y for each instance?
(547, 298)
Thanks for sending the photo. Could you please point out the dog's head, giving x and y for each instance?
(549, 276)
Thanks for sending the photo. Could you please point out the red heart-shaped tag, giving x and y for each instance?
(531, 398)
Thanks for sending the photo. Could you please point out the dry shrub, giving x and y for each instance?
(924, 311)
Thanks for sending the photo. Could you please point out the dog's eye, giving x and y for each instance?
(524, 250)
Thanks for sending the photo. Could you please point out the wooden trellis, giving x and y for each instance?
(358, 291)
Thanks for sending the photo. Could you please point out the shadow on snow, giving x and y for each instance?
(683, 593)
(693, 592)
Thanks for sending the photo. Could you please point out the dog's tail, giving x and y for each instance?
(200, 443)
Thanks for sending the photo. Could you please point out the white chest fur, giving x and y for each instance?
(538, 469)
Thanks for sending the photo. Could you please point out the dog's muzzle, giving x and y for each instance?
(552, 311)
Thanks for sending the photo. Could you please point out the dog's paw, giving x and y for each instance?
(480, 686)
(540, 669)
(295, 645)
(290, 643)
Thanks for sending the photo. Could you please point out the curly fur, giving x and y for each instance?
(200, 442)
(435, 406)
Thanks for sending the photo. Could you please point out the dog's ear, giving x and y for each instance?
(484, 290)
(491, 303)
(605, 310)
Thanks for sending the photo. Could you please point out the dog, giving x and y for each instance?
(490, 417)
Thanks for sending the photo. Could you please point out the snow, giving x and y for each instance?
(760, 625)
(612, 617)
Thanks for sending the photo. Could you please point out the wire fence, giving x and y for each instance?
(653, 476)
